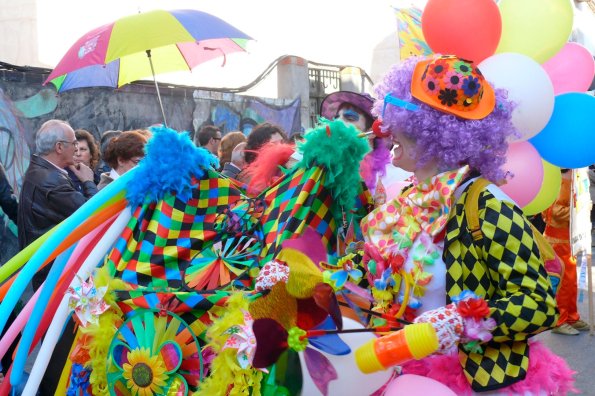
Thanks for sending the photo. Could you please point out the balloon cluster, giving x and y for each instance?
(521, 46)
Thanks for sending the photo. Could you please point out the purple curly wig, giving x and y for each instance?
(453, 141)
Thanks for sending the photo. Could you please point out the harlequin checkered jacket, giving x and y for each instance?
(508, 272)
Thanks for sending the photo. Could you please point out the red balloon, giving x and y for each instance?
(470, 29)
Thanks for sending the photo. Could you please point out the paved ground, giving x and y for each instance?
(579, 351)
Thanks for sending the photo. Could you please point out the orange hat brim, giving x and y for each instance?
(483, 109)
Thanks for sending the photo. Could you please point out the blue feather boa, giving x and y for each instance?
(171, 161)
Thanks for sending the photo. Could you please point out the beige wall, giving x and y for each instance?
(18, 32)
(584, 26)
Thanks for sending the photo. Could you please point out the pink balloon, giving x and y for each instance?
(571, 69)
(410, 384)
(524, 162)
(19, 323)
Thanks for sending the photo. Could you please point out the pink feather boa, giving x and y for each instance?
(547, 373)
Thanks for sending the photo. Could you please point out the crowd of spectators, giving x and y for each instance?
(69, 166)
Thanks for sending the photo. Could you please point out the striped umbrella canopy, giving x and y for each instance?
(142, 45)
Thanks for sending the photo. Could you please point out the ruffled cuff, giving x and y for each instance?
(477, 325)
(448, 324)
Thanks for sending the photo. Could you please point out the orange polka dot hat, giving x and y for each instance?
(454, 86)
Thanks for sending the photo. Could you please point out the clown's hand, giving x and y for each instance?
(466, 321)
(448, 325)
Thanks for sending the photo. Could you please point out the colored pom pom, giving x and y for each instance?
(297, 339)
(377, 129)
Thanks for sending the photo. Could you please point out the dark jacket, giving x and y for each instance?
(230, 170)
(8, 201)
(78, 185)
(47, 197)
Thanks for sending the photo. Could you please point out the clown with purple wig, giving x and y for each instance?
(485, 298)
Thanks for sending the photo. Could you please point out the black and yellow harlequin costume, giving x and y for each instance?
(510, 275)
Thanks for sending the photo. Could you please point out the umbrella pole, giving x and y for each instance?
(157, 88)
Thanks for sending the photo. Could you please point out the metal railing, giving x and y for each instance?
(323, 81)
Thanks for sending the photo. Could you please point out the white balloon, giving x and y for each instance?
(528, 85)
(351, 381)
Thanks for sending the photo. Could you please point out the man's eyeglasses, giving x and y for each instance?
(135, 161)
(74, 143)
(216, 138)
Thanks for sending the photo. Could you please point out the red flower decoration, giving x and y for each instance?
(371, 252)
(396, 261)
(409, 315)
(476, 308)
(439, 68)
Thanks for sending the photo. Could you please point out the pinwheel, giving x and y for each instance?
(224, 261)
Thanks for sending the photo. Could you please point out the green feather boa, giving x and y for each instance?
(338, 148)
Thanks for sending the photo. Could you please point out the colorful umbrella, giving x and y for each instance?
(141, 45)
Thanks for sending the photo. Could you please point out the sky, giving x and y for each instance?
(338, 32)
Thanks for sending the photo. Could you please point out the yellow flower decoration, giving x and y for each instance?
(345, 259)
(382, 297)
(145, 374)
(326, 278)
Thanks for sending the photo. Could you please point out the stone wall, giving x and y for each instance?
(25, 104)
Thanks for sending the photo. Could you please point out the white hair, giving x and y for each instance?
(49, 134)
(237, 154)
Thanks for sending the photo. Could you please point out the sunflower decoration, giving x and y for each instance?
(144, 374)
(154, 353)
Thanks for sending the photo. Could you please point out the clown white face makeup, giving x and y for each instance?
(352, 115)
(404, 152)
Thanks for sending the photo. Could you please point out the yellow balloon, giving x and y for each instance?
(550, 189)
(536, 28)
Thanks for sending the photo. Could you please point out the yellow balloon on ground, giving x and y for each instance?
(536, 28)
(549, 191)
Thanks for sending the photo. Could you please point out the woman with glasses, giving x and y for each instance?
(123, 153)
